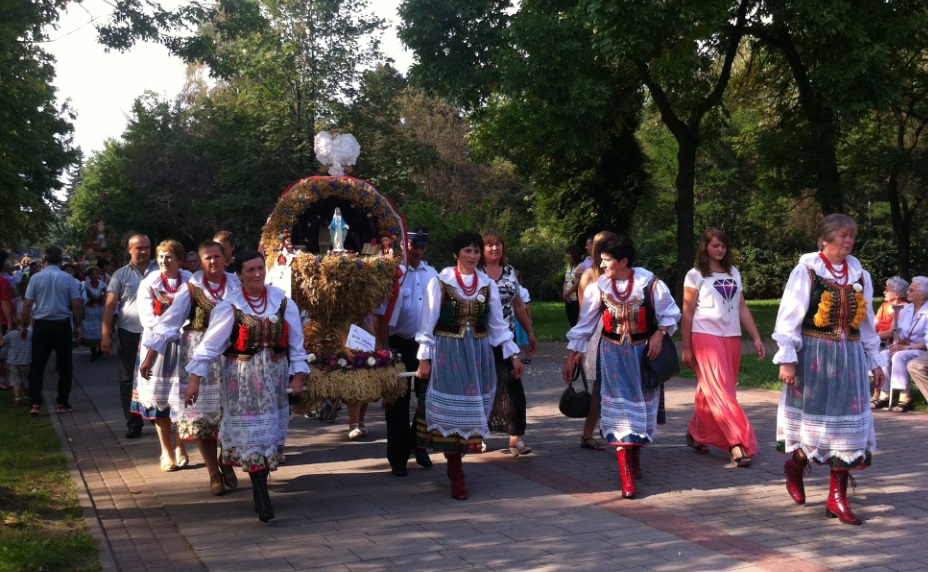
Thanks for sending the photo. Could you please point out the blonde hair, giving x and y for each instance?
(596, 256)
(172, 246)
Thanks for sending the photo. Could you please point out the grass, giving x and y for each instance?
(41, 522)
(549, 321)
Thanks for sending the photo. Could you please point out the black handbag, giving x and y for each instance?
(656, 372)
(575, 403)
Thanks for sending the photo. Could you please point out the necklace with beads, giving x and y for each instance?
(466, 290)
(839, 276)
(257, 304)
(167, 286)
(623, 296)
(218, 293)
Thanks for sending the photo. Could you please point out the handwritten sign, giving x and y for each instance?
(359, 339)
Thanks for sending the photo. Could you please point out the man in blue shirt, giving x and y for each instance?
(122, 291)
(51, 298)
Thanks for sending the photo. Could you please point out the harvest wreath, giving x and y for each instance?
(338, 289)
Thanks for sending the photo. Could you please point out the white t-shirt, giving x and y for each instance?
(717, 303)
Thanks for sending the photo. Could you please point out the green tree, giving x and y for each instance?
(828, 64)
(539, 96)
(35, 149)
(683, 53)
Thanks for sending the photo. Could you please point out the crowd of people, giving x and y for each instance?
(208, 352)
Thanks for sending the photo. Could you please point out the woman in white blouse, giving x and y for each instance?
(258, 330)
(636, 312)
(827, 345)
(713, 311)
(157, 395)
(186, 323)
(462, 319)
(910, 330)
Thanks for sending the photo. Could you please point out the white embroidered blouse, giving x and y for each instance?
(795, 304)
(222, 320)
(497, 327)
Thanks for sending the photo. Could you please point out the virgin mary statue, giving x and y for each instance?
(337, 230)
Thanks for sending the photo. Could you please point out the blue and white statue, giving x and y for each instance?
(337, 230)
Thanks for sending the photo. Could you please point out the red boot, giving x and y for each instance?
(625, 472)
(837, 506)
(634, 461)
(794, 468)
(456, 474)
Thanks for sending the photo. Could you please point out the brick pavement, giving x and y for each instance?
(338, 508)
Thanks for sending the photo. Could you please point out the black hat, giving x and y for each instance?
(419, 236)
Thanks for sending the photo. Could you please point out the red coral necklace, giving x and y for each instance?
(218, 293)
(839, 276)
(621, 297)
(167, 286)
(258, 304)
(467, 291)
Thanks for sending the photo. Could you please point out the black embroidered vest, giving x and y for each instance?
(251, 334)
(634, 318)
(834, 317)
(457, 313)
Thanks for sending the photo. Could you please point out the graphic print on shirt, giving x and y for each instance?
(727, 289)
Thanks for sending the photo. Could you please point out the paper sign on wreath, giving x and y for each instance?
(359, 339)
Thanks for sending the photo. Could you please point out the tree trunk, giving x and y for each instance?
(902, 230)
(686, 180)
(828, 179)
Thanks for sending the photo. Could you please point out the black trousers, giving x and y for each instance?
(126, 351)
(401, 436)
(573, 312)
(49, 336)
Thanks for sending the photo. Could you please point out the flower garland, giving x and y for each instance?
(823, 315)
(345, 360)
(861, 312)
(275, 236)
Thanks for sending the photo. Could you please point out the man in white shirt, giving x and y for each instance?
(401, 437)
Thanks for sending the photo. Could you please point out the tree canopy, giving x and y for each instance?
(35, 149)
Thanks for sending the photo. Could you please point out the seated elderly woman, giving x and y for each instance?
(893, 295)
(910, 326)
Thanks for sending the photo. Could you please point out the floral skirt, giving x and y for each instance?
(161, 395)
(200, 420)
(255, 412)
(827, 412)
(628, 412)
(460, 395)
(91, 327)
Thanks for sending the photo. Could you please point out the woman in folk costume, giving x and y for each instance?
(156, 395)
(827, 345)
(635, 311)
(258, 330)
(187, 321)
(94, 294)
(461, 321)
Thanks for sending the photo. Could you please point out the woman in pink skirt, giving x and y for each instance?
(713, 311)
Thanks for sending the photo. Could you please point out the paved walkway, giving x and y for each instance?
(338, 508)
